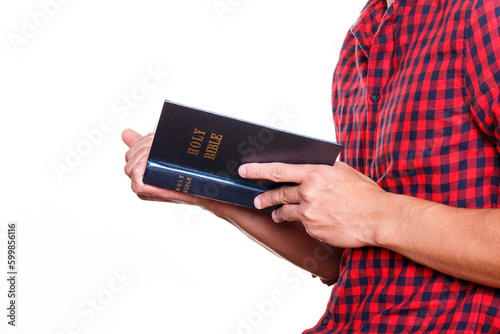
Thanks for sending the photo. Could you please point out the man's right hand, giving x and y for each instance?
(136, 158)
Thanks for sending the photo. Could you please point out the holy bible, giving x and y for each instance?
(198, 152)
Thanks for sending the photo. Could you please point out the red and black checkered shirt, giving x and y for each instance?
(416, 105)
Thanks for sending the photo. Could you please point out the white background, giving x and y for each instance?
(80, 227)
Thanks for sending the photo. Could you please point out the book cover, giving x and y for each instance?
(198, 152)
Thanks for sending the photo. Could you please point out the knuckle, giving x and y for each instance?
(144, 150)
(283, 194)
(137, 188)
(278, 172)
(316, 177)
(127, 169)
(280, 214)
(306, 193)
(285, 213)
(128, 155)
(136, 177)
(309, 215)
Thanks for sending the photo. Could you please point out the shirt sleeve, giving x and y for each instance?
(482, 73)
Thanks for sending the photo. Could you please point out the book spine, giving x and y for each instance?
(200, 184)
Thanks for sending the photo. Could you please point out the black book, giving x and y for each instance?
(198, 152)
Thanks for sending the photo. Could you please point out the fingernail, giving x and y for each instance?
(243, 171)
(275, 218)
(257, 202)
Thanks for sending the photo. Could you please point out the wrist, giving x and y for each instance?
(391, 215)
(404, 216)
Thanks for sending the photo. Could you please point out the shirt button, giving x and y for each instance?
(324, 321)
(375, 97)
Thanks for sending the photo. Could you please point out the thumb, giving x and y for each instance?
(130, 136)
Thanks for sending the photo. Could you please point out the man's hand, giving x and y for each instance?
(136, 158)
(337, 205)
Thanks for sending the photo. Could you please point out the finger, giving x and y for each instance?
(136, 155)
(146, 197)
(130, 136)
(140, 188)
(140, 144)
(139, 156)
(153, 198)
(152, 193)
(275, 171)
(288, 212)
(281, 195)
(136, 175)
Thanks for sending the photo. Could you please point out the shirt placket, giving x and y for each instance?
(362, 31)
(374, 51)
(379, 67)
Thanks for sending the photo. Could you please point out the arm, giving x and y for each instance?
(290, 241)
(344, 208)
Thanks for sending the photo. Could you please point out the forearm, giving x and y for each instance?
(463, 243)
(289, 241)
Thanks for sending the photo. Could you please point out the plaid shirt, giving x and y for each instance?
(416, 106)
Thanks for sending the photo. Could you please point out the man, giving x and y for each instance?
(407, 223)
